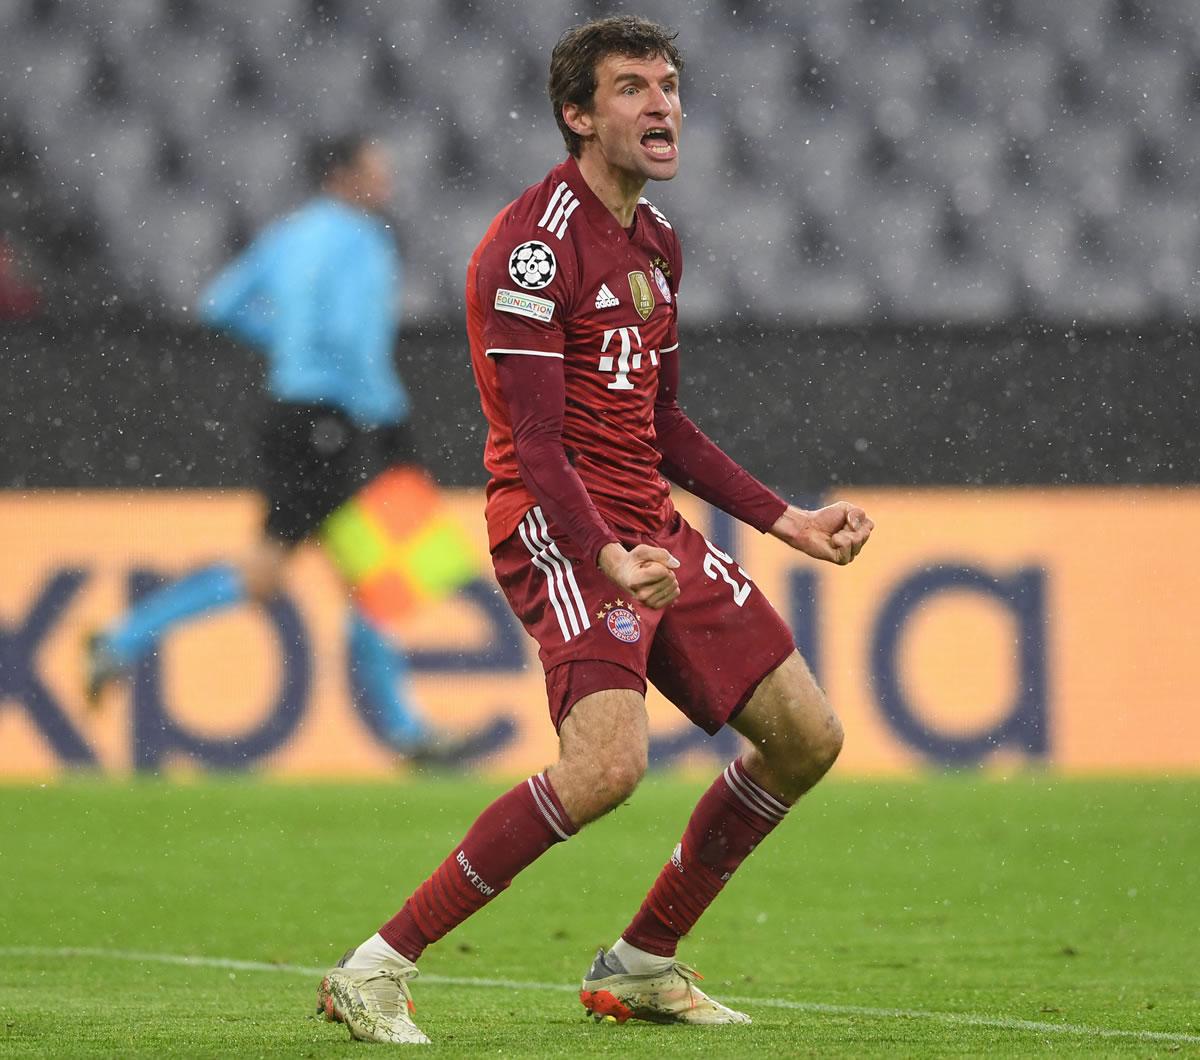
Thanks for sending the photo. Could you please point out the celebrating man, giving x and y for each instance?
(572, 319)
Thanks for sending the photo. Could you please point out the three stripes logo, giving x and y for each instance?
(658, 216)
(605, 299)
(562, 204)
(561, 585)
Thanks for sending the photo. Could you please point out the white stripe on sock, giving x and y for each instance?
(541, 801)
(747, 796)
(542, 783)
(753, 807)
(750, 791)
(758, 789)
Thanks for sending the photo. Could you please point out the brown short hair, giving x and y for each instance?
(579, 51)
(329, 155)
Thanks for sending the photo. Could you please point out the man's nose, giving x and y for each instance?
(660, 102)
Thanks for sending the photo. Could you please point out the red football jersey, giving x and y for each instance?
(557, 276)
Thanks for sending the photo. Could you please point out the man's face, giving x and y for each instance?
(635, 118)
(368, 181)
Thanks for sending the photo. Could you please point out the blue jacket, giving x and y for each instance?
(319, 293)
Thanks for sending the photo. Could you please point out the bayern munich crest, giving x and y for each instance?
(663, 286)
(532, 265)
(622, 622)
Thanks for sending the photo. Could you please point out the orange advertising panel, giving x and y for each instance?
(994, 627)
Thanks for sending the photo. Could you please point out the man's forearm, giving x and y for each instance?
(694, 461)
(534, 389)
(561, 493)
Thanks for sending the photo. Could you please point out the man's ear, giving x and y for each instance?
(578, 120)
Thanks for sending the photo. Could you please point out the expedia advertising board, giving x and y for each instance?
(995, 627)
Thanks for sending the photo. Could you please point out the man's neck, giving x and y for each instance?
(344, 197)
(613, 187)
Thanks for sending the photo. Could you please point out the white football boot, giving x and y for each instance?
(670, 996)
(375, 1005)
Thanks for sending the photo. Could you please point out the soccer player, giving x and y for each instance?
(318, 293)
(571, 314)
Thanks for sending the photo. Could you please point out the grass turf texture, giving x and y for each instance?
(1035, 899)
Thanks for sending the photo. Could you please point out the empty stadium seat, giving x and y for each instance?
(949, 159)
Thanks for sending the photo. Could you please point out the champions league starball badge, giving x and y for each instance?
(622, 622)
(532, 265)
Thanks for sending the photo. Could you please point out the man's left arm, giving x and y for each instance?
(691, 459)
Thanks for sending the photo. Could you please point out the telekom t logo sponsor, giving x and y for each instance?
(624, 358)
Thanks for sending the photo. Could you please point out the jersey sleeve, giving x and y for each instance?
(694, 461)
(236, 299)
(675, 259)
(526, 287)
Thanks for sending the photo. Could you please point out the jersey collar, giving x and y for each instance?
(598, 215)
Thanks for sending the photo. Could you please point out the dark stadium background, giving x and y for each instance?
(136, 403)
(933, 242)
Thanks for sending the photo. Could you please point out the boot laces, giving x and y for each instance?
(386, 987)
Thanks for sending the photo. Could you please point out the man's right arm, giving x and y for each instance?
(535, 392)
(234, 299)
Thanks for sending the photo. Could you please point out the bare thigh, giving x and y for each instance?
(794, 733)
(603, 745)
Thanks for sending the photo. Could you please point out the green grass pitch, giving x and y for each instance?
(945, 916)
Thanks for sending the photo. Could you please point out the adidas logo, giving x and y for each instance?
(605, 299)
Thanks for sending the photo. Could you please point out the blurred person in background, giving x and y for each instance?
(572, 318)
(318, 293)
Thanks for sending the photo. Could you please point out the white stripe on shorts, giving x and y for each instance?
(561, 586)
(546, 553)
(576, 595)
(535, 554)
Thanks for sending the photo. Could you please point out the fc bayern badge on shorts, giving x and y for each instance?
(532, 265)
(622, 622)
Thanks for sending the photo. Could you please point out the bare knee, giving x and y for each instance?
(827, 742)
(592, 786)
(795, 734)
(807, 749)
(617, 780)
(603, 754)
(818, 733)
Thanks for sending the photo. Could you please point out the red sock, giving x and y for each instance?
(513, 832)
(729, 821)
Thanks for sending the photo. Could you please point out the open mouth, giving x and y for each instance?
(659, 141)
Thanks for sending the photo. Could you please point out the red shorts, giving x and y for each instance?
(706, 652)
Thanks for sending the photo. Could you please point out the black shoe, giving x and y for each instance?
(101, 669)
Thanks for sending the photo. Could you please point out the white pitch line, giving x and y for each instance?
(967, 1019)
